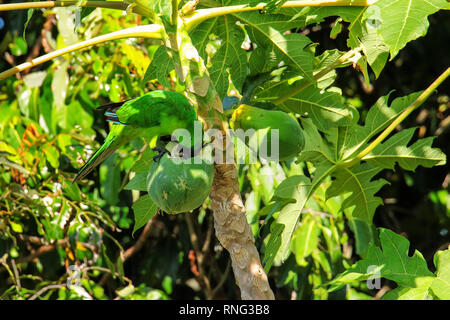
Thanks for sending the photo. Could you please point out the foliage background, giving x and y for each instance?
(48, 127)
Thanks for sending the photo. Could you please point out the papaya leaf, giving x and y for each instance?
(349, 140)
(145, 161)
(306, 238)
(234, 58)
(144, 210)
(228, 61)
(365, 233)
(391, 261)
(325, 108)
(160, 67)
(273, 245)
(441, 285)
(317, 150)
(356, 182)
(405, 20)
(298, 188)
(268, 32)
(396, 150)
(363, 33)
(323, 61)
(221, 40)
(373, 46)
(138, 182)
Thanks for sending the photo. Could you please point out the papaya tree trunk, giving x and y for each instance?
(234, 233)
(230, 222)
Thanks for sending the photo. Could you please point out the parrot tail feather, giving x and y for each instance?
(112, 117)
(116, 122)
(110, 111)
(113, 106)
(101, 154)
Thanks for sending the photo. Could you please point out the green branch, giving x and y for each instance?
(152, 31)
(417, 103)
(203, 14)
(50, 4)
(118, 5)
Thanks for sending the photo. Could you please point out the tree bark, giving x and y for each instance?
(234, 233)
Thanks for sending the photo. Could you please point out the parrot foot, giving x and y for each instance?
(161, 153)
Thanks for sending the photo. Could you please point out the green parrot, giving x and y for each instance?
(157, 113)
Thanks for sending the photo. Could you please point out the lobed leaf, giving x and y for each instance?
(160, 67)
(391, 261)
(357, 184)
(396, 150)
(405, 20)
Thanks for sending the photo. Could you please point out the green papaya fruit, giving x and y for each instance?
(291, 139)
(177, 186)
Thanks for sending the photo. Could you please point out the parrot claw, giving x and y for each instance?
(161, 153)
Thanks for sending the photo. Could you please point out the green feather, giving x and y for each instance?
(118, 136)
(157, 113)
(165, 111)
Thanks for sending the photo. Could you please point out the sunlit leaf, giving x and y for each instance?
(441, 285)
(396, 150)
(19, 47)
(52, 155)
(297, 188)
(405, 20)
(35, 79)
(305, 239)
(392, 262)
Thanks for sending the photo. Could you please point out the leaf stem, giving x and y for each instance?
(152, 31)
(417, 103)
(204, 14)
(144, 8)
